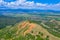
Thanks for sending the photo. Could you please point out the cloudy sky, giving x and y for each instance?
(30, 4)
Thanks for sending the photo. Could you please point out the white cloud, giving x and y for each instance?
(40, 4)
(29, 5)
(54, 6)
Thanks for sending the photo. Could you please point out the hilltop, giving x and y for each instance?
(26, 30)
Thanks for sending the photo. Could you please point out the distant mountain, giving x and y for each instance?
(27, 10)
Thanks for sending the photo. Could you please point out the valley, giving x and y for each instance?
(33, 26)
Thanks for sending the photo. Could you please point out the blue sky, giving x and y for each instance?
(46, 1)
(30, 4)
(40, 1)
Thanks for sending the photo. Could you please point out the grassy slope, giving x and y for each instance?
(10, 33)
(45, 33)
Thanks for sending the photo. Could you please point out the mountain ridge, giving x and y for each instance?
(28, 10)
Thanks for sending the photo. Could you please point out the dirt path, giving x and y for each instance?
(23, 25)
(31, 26)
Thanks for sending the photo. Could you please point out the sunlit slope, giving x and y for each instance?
(26, 30)
(45, 32)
